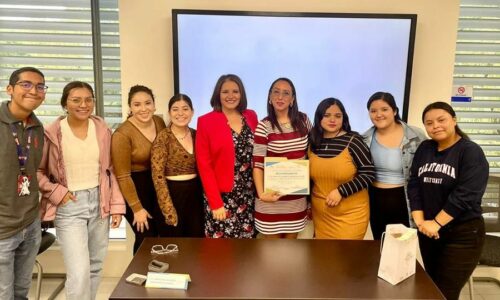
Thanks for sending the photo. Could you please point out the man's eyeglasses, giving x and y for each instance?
(284, 94)
(78, 101)
(28, 85)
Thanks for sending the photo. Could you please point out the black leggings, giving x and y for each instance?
(387, 206)
(451, 259)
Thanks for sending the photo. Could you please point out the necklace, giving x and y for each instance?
(183, 137)
(286, 125)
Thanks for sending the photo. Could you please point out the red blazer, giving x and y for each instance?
(215, 154)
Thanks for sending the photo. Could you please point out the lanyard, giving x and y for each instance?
(22, 154)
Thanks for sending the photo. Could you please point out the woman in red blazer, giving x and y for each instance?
(224, 146)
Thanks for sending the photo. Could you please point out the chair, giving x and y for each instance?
(47, 240)
(491, 204)
(490, 256)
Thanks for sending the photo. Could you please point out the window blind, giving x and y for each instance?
(477, 63)
(56, 37)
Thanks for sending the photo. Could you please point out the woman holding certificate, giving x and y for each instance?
(283, 133)
(224, 146)
(341, 170)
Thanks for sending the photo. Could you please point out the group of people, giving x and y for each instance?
(170, 180)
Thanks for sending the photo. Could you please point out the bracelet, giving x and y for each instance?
(438, 222)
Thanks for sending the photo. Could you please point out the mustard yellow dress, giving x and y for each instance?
(350, 174)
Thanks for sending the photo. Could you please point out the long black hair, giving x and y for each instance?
(297, 119)
(446, 107)
(316, 133)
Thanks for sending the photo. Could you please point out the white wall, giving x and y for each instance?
(146, 40)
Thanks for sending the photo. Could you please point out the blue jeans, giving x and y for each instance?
(451, 259)
(17, 258)
(83, 236)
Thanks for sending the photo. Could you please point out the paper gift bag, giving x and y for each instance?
(399, 253)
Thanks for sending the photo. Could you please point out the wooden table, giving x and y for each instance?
(274, 269)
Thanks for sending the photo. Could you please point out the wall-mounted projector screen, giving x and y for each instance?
(346, 56)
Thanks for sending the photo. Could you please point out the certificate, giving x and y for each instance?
(287, 177)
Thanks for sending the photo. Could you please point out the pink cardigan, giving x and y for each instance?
(52, 175)
(215, 154)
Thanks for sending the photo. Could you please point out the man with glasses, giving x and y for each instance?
(21, 135)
